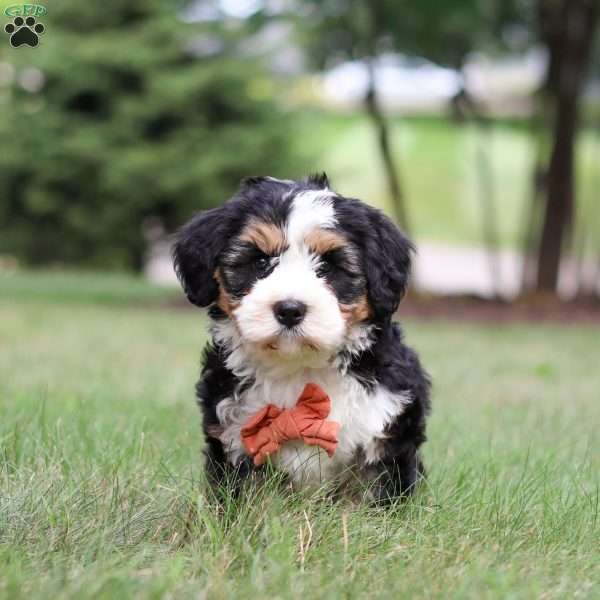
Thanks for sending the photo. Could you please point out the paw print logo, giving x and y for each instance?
(24, 31)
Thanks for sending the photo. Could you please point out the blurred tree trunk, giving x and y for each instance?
(487, 198)
(370, 19)
(383, 141)
(463, 108)
(534, 202)
(567, 26)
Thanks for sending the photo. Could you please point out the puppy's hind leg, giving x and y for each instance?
(395, 477)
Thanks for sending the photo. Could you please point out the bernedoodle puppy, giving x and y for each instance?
(306, 369)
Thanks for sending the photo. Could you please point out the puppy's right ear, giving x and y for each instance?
(196, 251)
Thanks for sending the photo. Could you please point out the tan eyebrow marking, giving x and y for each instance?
(321, 241)
(267, 237)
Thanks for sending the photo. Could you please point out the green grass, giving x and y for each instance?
(437, 160)
(100, 471)
(81, 286)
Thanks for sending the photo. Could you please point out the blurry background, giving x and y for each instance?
(474, 123)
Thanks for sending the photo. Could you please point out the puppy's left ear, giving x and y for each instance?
(388, 263)
(196, 252)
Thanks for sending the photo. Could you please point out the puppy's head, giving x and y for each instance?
(295, 268)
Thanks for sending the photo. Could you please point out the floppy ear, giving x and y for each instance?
(196, 251)
(388, 262)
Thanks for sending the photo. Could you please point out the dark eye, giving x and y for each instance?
(325, 267)
(262, 263)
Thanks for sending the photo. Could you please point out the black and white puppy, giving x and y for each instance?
(302, 285)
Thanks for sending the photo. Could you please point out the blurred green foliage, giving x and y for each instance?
(125, 118)
(443, 32)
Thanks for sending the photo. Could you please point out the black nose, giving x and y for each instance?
(289, 312)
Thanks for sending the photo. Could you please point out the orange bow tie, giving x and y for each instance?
(266, 431)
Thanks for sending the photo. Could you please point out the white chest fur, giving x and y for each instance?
(362, 415)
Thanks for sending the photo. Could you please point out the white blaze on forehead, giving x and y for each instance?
(294, 277)
(310, 210)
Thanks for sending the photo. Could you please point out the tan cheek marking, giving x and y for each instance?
(269, 238)
(321, 241)
(224, 301)
(356, 312)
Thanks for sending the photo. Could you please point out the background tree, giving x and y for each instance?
(125, 118)
(567, 28)
(568, 31)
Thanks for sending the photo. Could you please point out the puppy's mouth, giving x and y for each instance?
(288, 340)
(275, 346)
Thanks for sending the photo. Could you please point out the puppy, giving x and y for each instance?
(305, 370)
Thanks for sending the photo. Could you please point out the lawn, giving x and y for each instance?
(438, 162)
(100, 472)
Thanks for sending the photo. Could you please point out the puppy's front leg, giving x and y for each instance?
(225, 480)
(217, 385)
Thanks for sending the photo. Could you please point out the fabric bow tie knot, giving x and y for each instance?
(264, 433)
